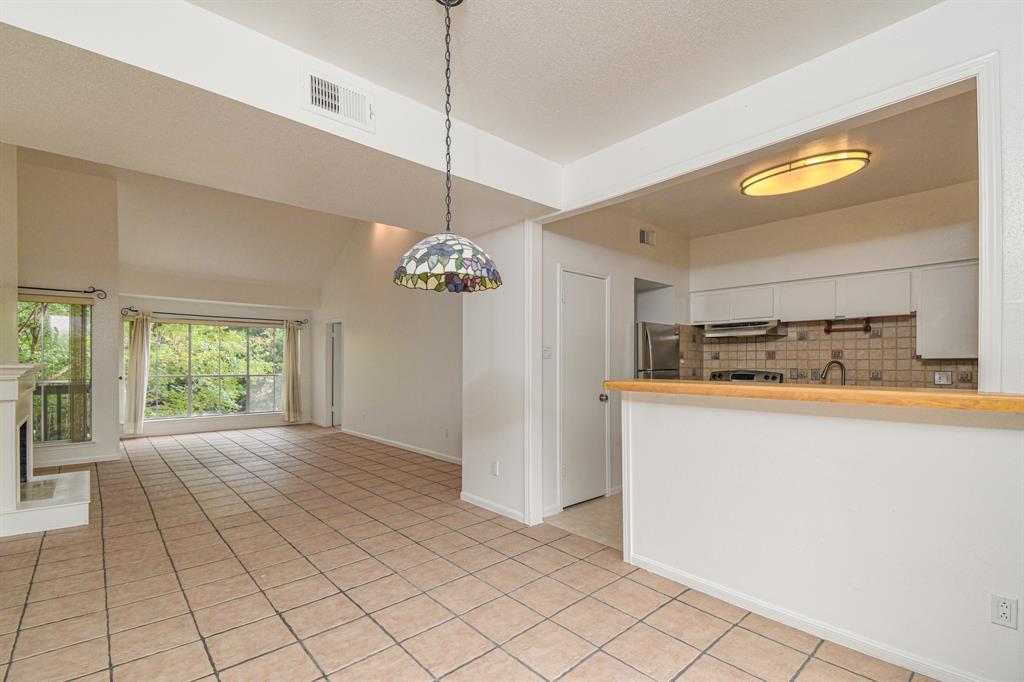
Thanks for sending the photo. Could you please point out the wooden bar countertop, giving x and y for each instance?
(945, 399)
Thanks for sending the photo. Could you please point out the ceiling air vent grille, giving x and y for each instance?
(648, 237)
(337, 101)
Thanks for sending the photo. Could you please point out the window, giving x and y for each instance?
(207, 369)
(57, 333)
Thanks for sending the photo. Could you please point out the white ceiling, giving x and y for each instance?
(917, 145)
(61, 99)
(565, 78)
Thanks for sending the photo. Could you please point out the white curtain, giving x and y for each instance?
(292, 403)
(138, 374)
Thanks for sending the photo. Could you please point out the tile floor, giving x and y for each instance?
(599, 519)
(302, 554)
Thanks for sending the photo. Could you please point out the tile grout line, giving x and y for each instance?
(280, 614)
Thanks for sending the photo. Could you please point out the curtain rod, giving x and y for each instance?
(99, 293)
(131, 310)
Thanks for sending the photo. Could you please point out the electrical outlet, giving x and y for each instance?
(794, 373)
(1004, 611)
(769, 355)
(965, 377)
(715, 355)
(837, 354)
(495, 471)
(815, 375)
(876, 332)
(943, 379)
(876, 375)
(801, 336)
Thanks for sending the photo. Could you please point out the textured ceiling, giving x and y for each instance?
(565, 78)
(64, 100)
(916, 145)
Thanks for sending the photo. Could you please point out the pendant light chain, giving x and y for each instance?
(448, 116)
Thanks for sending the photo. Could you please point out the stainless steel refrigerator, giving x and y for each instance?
(657, 351)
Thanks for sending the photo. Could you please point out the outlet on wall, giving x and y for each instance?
(1004, 611)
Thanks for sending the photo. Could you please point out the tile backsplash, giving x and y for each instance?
(882, 357)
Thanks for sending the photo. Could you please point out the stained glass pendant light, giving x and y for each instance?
(447, 261)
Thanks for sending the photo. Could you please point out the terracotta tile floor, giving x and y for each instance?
(303, 554)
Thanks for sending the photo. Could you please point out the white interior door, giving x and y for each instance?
(584, 406)
(335, 369)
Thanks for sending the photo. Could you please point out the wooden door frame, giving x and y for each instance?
(562, 269)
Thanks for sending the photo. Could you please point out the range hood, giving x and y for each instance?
(770, 328)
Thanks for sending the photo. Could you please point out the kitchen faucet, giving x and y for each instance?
(829, 365)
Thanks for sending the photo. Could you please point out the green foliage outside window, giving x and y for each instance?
(202, 369)
(58, 337)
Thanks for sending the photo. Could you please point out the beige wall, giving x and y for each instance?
(936, 226)
(402, 349)
(8, 253)
(67, 237)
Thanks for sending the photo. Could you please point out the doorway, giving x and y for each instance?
(583, 357)
(334, 365)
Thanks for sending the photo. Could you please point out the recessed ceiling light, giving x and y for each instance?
(806, 173)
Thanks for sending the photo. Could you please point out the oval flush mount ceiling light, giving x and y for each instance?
(447, 261)
(812, 171)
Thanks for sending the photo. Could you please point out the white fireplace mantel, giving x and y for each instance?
(30, 503)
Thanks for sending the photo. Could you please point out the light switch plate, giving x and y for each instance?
(943, 379)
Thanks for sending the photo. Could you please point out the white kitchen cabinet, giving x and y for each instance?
(714, 307)
(876, 295)
(752, 304)
(801, 301)
(947, 312)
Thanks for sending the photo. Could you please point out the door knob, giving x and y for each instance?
(603, 397)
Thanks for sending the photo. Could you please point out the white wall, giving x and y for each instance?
(847, 81)
(164, 427)
(402, 348)
(936, 226)
(8, 253)
(889, 538)
(67, 238)
(657, 305)
(498, 377)
(603, 243)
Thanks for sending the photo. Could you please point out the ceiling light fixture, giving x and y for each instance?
(812, 171)
(447, 261)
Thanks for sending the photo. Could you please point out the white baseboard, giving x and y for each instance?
(57, 457)
(513, 514)
(234, 422)
(552, 510)
(846, 638)
(405, 446)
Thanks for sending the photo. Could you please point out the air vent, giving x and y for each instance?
(335, 100)
(648, 237)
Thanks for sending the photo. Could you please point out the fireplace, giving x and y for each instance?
(31, 503)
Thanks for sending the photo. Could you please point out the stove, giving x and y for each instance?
(755, 375)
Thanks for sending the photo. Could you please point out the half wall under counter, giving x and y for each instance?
(881, 519)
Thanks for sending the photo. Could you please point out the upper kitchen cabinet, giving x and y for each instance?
(752, 304)
(728, 306)
(801, 301)
(710, 308)
(876, 295)
(947, 312)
